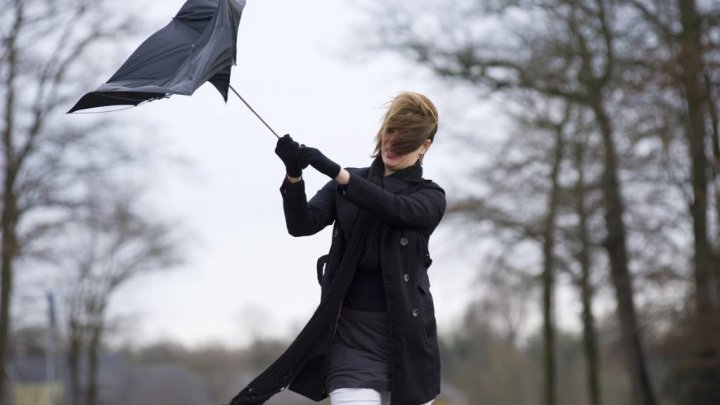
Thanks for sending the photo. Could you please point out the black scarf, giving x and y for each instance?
(370, 258)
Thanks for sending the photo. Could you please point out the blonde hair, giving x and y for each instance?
(411, 118)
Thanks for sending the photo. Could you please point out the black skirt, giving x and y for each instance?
(360, 353)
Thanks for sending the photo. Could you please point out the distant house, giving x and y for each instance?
(29, 387)
(29, 384)
(120, 382)
(37, 393)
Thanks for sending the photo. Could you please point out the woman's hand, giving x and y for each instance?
(316, 159)
(289, 152)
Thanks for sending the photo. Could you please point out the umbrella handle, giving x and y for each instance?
(254, 112)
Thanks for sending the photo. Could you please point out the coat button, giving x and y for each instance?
(403, 241)
(406, 277)
(336, 233)
(415, 312)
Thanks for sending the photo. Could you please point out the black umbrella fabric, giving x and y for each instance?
(198, 45)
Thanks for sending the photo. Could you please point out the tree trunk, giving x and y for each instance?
(548, 276)
(707, 390)
(9, 216)
(586, 291)
(94, 346)
(616, 246)
(8, 254)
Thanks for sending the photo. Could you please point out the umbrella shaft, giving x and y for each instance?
(254, 112)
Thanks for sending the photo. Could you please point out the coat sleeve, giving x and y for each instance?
(304, 217)
(421, 209)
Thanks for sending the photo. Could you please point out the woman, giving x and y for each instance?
(373, 338)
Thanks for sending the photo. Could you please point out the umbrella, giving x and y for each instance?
(198, 45)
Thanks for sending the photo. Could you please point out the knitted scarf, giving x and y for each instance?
(370, 257)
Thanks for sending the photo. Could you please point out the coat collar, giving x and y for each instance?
(398, 181)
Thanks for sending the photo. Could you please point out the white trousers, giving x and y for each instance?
(360, 396)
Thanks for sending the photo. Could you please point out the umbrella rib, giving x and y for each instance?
(254, 112)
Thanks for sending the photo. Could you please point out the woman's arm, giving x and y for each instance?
(422, 209)
(303, 217)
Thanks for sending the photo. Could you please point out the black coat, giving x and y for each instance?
(409, 208)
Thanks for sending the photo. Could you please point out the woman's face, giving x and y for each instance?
(393, 161)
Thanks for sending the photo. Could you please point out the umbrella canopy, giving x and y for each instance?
(198, 45)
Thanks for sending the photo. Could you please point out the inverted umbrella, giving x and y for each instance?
(197, 46)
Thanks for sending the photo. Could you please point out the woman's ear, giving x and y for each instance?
(425, 146)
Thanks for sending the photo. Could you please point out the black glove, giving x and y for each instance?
(315, 158)
(288, 151)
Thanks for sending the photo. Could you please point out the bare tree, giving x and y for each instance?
(685, 30)
(110, 243)
(44, 46)
(549, 253)
(584, 254)
(531, 171)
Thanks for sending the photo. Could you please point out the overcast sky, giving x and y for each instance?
(244, 276)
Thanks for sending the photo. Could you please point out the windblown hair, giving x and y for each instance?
(411, 118)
